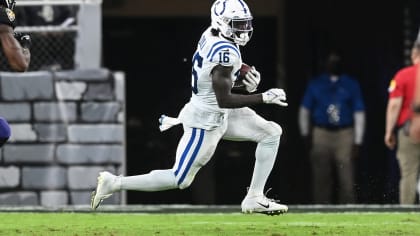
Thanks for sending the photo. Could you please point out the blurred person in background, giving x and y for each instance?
(16, 48)
(415, 121)
(398, 119)
(332, 123)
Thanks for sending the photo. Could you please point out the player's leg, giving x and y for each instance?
(321, 166)
(198, 151)
(195, 148)
(408, 154)
(245, 125)
(344, 164)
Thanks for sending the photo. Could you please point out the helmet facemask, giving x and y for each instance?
(8, 4)
(241, 30)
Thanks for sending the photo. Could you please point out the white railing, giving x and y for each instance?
(56, 2)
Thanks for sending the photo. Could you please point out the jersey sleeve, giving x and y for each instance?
(308, 98)
(224, 53)
(358, 102)
(7, 17)
(396, 86)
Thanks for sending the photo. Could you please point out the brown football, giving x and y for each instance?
(241, 76)
(242, 72)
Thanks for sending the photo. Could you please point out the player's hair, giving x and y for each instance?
(215, 32)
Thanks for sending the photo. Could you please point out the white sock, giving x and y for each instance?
(265, 156)
(156, 180)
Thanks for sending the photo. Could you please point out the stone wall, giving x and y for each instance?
(66, 127)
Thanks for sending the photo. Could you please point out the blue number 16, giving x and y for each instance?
(197, 58)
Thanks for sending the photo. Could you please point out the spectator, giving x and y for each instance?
(16, 49)
(398, 117)
(331, 120)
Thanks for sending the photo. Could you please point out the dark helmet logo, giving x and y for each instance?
(8, 4)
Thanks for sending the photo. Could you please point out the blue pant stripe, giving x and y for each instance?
(194, 155)
(186, 150)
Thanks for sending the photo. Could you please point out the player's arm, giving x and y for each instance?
(17, 55)
(392, 112)
(15, 46)
(222, 86)
(415, 120)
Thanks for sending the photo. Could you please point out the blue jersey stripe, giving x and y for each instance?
(243, 5)
(214, 45)
(186, 150)
(224, 47)
(194, 155)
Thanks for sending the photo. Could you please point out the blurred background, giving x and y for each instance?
(152, 41)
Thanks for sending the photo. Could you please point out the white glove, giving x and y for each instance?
(252, 80)
(166, 122)
(275, 96)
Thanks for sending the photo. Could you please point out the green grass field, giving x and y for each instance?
(210, 224)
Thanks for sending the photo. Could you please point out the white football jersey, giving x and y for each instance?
(211, 51)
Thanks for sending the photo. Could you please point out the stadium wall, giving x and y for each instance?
(66, 127)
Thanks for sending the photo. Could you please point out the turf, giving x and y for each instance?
(114, 224)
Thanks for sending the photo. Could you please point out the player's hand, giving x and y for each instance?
(275, 96)
(252, 80)
(24, 39)
(390, 140)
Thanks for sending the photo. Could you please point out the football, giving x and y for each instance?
(243, 70)
(241, 76)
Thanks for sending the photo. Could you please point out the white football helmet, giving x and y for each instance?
(233, 19)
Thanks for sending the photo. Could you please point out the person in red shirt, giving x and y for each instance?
(398, 118)
(415, 120)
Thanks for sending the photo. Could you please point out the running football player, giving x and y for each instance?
(213, 113)
(16, 46)
(16, 49)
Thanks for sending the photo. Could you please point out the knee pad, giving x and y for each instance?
(4, 131)
(276, 129)
(274, 132)
(185, 184)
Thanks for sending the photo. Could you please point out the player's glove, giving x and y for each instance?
(24, 39)
(275, 96)
(252, 80)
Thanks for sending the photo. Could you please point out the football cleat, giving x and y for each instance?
(262, 204)
(106, 186)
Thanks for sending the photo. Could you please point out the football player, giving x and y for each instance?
(16, 46)
(213, 113)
